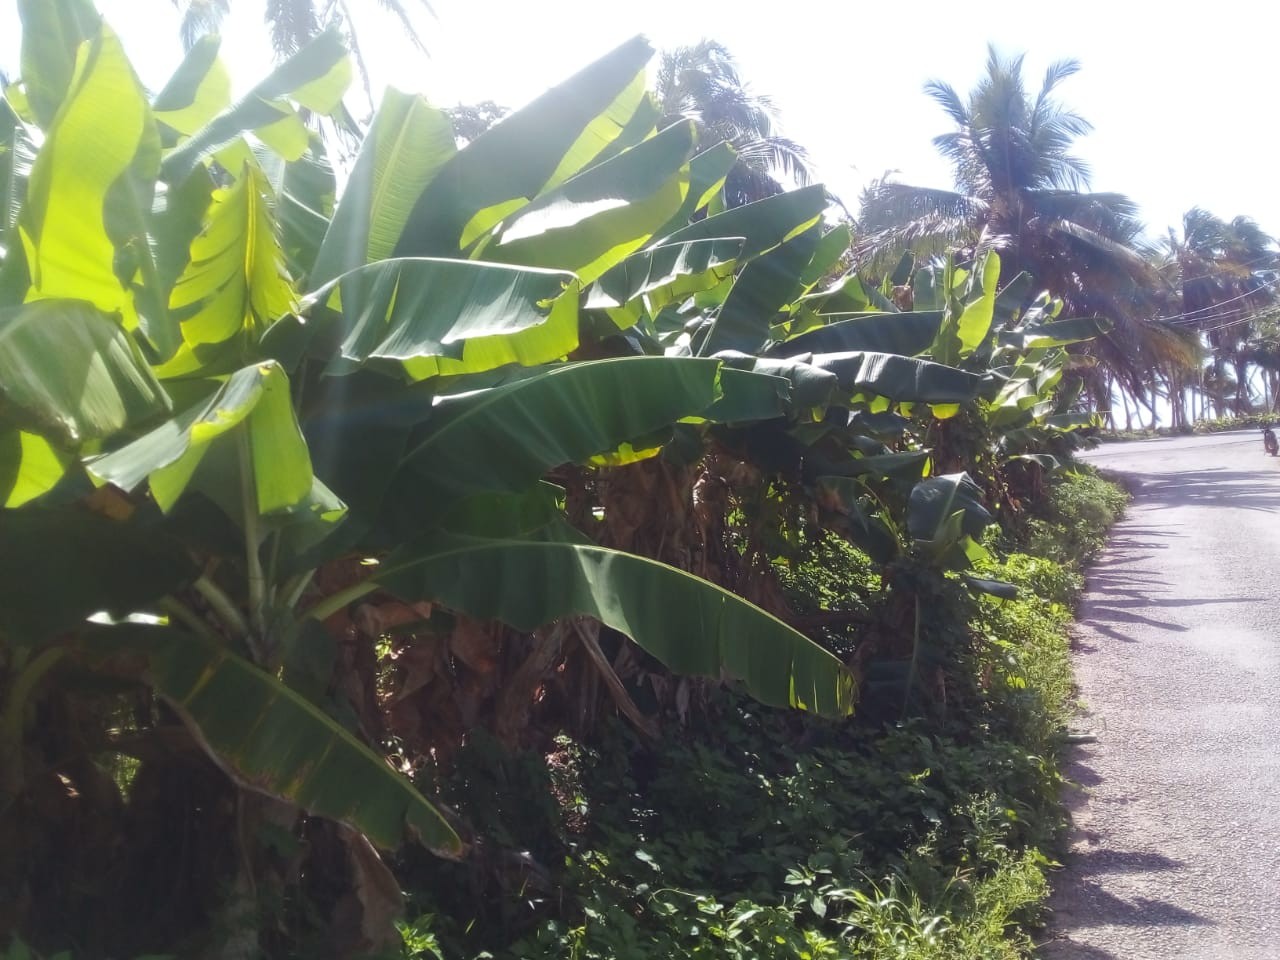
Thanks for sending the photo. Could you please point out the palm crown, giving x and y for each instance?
(1021, 190)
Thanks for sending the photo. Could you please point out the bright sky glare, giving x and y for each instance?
(1180, 101)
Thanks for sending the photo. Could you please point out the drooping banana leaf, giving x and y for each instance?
(506, 438)
(935, 501)
(431, 316)
(255, 400)
(273, 740)
(70, 371)
(747, 396)
(665, 273)
(907, 334)
(900, 466)
(763, 224)
(1055, 333)
(692, 626)
(811, 387)
(864, 522)
(900, 379)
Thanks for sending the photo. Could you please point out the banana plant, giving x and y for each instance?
(233, 380)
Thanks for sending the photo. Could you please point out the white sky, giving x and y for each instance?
(1180, 101)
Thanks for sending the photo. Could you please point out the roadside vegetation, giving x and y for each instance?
(560, 540)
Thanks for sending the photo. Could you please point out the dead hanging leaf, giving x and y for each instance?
(367, 923)
(476, 644)
(110, 502)
(378, 619)
(418, 664)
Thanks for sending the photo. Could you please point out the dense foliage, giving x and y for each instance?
(750, 833)
(338, 522)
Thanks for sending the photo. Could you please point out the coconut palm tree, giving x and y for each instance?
(1020, 190)
(702, 82)
(1225, 274)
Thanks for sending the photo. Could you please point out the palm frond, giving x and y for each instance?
(946, 97)
(399, 11)
(291, 23)
(776, 153)
(896, 217)
(200, 18)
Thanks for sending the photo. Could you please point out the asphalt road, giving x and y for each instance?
(1176, 840)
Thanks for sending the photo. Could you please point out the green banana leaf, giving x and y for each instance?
(935, 501)
(30, 467)
(833, 245)
(748, 396)
(966, 329)
(72, 372)
(692, 626)
(1073, 421)
(1055, 333)
(306, 191)
(811, 387)
(1011, 300)
(235, 284)
(899, 466)
(596, 219)
(533, 150)
(17, 156)
(89, 198)
(763, 224)
(901, 379)
(847, 295)
(642, 125)
(993, 588)
(506, 438)
(255, 399)
(907, 334)
(52, 31)
(198, 91)
(60, 566)
(707, 173)
(420, 313)
(405, 148)
(666, 273)
(865, 525)
(766, 285)
(315, 78)
(274, 740)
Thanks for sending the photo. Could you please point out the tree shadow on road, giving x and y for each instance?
(1213, 487)
(1120, 597)
(1080, 899)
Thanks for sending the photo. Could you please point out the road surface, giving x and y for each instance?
(1176, 841)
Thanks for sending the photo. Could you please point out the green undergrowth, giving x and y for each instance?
(923, 828)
